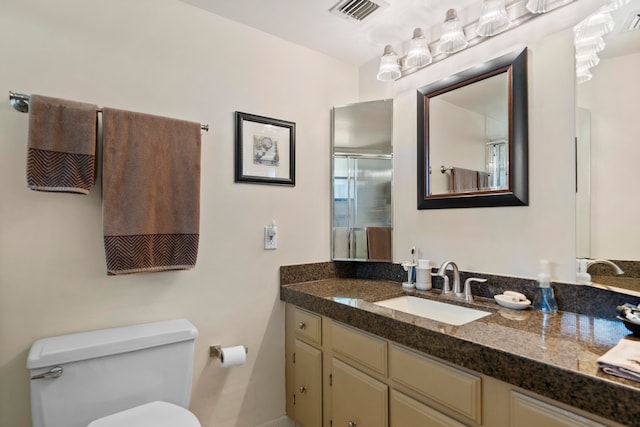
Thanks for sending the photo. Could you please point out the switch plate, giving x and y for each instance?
(270, 238)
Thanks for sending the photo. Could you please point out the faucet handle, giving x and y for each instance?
(468, 297)
(445, 285)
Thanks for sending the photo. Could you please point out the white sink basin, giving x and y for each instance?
(442, 312)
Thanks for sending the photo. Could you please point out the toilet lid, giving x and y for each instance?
(154, 414)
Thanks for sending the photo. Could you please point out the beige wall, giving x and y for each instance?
(168, 58)
(507, 240)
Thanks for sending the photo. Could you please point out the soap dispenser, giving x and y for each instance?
(544, 299)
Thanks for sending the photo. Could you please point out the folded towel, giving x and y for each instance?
(379, 243)
(623, 360)
(62, 145)
(463, 180)
(151, 192)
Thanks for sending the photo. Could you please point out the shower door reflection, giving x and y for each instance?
(362, 207)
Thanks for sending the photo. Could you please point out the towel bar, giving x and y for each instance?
(20, 102)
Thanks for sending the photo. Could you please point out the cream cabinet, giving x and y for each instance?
(304, 367)
(307, 392)
(527, 411)
(340, 376)
(358, 399)
(408, 412)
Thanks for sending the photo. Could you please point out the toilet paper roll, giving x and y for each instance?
(233, 356)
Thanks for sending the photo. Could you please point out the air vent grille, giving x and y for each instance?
(356, 10)
(633, 23)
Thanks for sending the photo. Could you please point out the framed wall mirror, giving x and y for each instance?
(473, 137)
(607, 150)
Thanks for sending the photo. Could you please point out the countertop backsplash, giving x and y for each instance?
(573, 298)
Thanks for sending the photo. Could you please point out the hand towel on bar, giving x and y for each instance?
(483, 181)
(151, 192)
(623, 360)
(463, 180)
(61, 153)
(379, 243)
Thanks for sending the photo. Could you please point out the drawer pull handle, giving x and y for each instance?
(352, 424)
(303, 389)
(302, 325)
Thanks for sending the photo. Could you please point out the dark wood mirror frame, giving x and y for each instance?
(517, 194)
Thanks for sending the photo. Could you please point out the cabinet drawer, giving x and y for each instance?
(359, 347)
(448, 386)
(308, 326)
(406, 411)
(529, 412)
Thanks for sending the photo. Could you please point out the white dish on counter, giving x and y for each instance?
(512, 302)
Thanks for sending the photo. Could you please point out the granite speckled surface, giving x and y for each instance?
(550, 354)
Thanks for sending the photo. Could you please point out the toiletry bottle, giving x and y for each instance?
(544, 299)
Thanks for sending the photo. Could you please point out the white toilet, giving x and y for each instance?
(122, 377)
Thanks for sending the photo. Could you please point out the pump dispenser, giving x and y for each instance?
(544, 299)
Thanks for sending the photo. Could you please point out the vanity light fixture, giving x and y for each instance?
(494, 18)
(389, 65)
(595, 25)
(457, 35)
(452, 39)
(419, 54)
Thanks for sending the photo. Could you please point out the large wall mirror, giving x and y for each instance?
(473, 137)
(362, 177)
(608, 151)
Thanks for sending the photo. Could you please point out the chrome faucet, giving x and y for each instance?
(442, 272)
(617, 270)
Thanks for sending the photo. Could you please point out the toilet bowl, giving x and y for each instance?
(137, 375)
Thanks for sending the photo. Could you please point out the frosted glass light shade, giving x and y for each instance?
(419, 54)
(583, 75)
(389, 65)
(453, 38)
(588, 56)
(596, 25)
(494, 18)
(595, 43)
(538, 6)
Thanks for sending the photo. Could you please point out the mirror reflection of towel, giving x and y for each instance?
(483, 180)
(463, 180)
(379, 243)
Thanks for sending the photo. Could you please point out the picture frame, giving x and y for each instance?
(265, 150)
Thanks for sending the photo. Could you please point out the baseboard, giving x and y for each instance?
(280, 422)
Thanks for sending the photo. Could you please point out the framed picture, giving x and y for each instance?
(265, 150)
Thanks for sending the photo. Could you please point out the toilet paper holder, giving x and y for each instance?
(216, 351)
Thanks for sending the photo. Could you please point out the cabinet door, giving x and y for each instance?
(529, 412)
(308, 385)
(357, 399)
(408, 412)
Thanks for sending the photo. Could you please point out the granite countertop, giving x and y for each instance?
(550, 354)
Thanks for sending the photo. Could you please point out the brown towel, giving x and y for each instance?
(463, 180)
(379, 243)
(62, 145)
(483, 180)
(151, 192)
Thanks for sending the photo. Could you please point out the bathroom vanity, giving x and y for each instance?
(353, 363)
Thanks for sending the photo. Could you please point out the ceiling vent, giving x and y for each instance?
(357, 10)
(632, 23)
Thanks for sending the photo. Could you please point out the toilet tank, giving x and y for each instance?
(110, 370)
